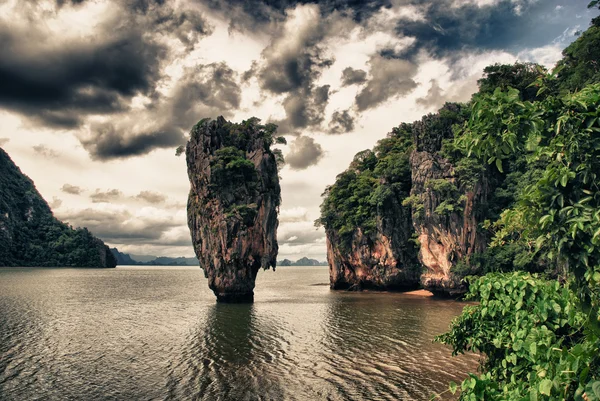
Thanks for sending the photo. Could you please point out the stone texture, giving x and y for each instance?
(443, 239)
(233, 224)
(387, 261)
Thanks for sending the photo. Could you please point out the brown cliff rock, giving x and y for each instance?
(233, 204)
(370, 243)
(447, 232)
(380, 263)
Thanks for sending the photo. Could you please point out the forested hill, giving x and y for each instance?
(31, 236)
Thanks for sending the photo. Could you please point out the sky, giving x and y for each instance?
(96, 95)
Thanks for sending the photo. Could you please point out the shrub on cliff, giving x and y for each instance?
(374, 177)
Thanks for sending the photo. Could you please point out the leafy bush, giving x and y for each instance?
(533, 339)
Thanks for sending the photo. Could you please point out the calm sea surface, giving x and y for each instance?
(145, 333)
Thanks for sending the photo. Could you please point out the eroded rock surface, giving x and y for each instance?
(233, 203)
(444, 236)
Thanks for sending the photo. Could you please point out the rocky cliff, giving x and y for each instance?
(233, 203)
(31, 236)
(369, 231)
(445, 218)
(403, 213)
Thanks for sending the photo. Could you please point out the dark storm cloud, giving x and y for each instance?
(151, 197)
(450, 26)
(203, 91)
(304, 152)
(293, 62)
(72, 189)
(123, 227)
(58, 81)
(45, 151)
(388, 78)
(106, 196)
(350, 76)
(247, 14)
(341, 122)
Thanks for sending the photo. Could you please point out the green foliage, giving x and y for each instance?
(31, 236)
(415, 202)
(539, 338)
(515, 256)
(580, 64)
(533, 339)
(453, 201)
(234, 179)
(519, 76)
(245, 213)
(498, 127)
(373, 179)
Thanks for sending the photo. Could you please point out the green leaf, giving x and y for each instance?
(592, 391)
(499, 165)
(563, 180)
(453, 387)
(545, 386)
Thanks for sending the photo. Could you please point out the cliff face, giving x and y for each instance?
(383, 261)
(31, 236)
(403, 214)
(370, 242)
(446, 220)
(233, 204)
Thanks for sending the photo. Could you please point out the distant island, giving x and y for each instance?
(125, 259)
(301, 262)
(128, 259)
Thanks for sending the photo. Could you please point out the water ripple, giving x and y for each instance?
(157, 334)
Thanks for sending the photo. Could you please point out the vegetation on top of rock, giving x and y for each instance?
(372, 178)
(233, 203)
(31, 236)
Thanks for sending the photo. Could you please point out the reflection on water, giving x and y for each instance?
(234, 354)
(157, 333)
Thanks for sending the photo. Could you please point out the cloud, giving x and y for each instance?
(56, 76)
(55, 203)
(203, 91)
(72, 189)
(4, 141)
(341, 122)
(299, 234)
(513, 25)
(151, 197)
(304, 152)
(293, 215)
(43, 150)
(350, 76)
(293, 62)
(119, 226)
(106, 196)
(388, 78)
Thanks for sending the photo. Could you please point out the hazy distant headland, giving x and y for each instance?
(304, 261)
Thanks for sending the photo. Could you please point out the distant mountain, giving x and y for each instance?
(301, 262)
(31, 236)
(125, 259)
(143, 258)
